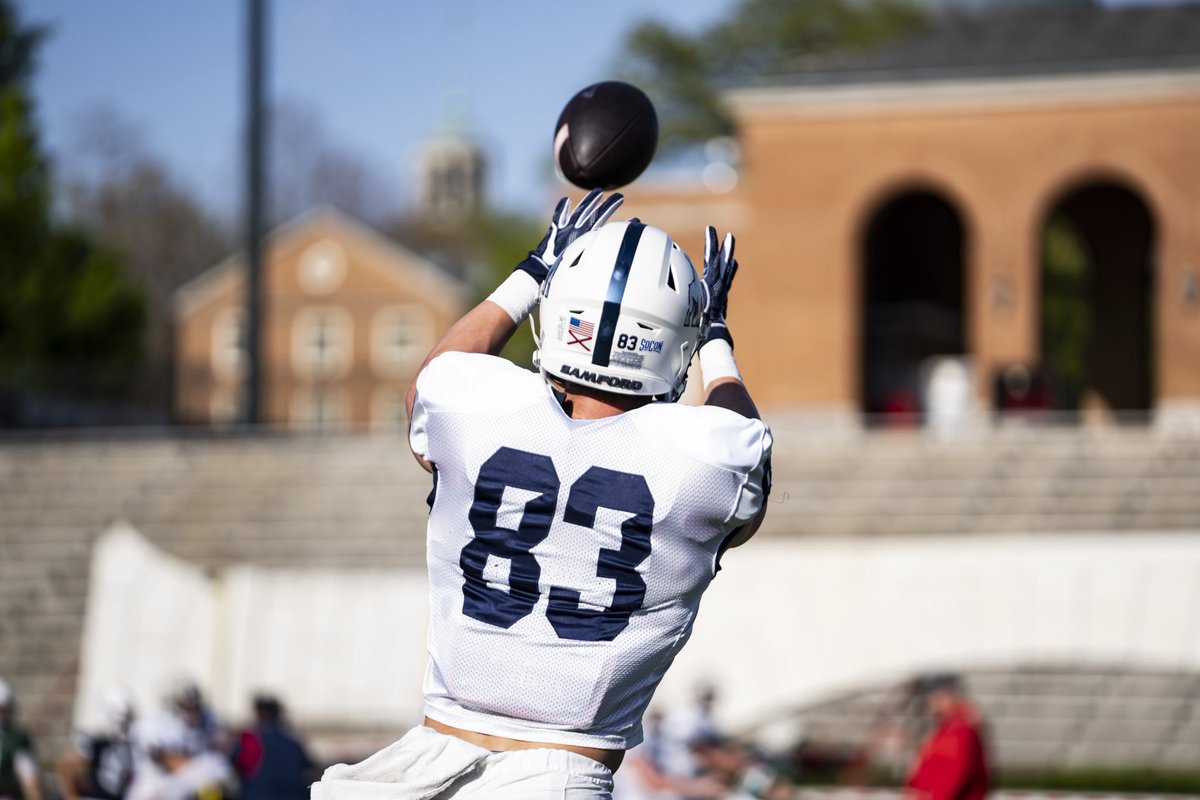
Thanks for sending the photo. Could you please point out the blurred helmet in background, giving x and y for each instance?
(161, 734)
(117, 708)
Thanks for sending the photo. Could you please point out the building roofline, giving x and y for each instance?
(992, 93)
(1032, 39)
(203, 288)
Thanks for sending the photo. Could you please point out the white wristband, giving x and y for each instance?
(517, 295)
(716, 362)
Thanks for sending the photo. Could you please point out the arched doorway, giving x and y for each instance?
(1097, 300)
(912, 301)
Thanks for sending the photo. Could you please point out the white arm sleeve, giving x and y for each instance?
(757, 485)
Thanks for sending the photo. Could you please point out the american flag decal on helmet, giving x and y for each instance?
(581, 332)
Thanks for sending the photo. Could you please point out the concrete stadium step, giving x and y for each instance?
(315, 553)
(1116, 729)
(1183, 503)
(44, 585)
(388, 532)
(89, 488)
(1134, 708)
(881, 504)
(984, 684)
(1178, 756)
(983, 450)
(1155, 520)
(267, 513)
(18, 574)
(892, 522)
(1019, 709)
(46, 651)
(28, 614)
(1015, 486)
(1188, 732)
(835, 731)
(1097, 754)
(1173, 686)
(1028, 753)
(1063, 683)
(35, 548)
(869, 702)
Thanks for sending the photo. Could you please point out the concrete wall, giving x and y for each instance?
(784, 623)
(342, 647)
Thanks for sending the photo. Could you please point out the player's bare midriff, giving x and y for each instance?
(609, 758)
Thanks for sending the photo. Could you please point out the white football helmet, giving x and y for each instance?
(621, 310)
(118, 709)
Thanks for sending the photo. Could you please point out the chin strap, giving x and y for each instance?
(537, 343)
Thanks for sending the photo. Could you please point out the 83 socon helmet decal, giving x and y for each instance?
(621, 310)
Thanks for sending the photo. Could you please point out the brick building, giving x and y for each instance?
(890, 209)
(349, 314)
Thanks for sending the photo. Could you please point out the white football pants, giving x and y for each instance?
(425, 764)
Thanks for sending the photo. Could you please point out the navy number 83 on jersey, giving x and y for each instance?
(597, 488)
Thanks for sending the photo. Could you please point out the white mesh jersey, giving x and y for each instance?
(567, 557)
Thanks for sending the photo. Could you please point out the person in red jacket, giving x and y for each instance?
(952, 763)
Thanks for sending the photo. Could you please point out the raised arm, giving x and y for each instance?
(72, 769)
(487, 327)
(28, 774)
(723, 384)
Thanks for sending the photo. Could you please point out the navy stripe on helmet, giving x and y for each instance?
(616, 291)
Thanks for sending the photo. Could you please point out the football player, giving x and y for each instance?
(99, 765)
(578, 512)
(19, 776)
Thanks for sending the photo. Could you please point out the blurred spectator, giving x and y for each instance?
(19, 778)
(686, 756)
(685, 725)
(1019, 389)
(166, 769)
(100, 765)
(269, 758)
(900, 408)
(204, 732)
(946, 381)
(952, 763)
(643, 776)
(746, 773)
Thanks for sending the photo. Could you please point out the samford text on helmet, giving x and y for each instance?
(621, 311)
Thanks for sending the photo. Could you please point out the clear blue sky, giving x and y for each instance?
(379, 73)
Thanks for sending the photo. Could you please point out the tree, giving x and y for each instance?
(481, 249)
(683, 72)
(307, 168)
(84, 318)
(70, 321)
(24, 180)
(127, 197)
(506, 239)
